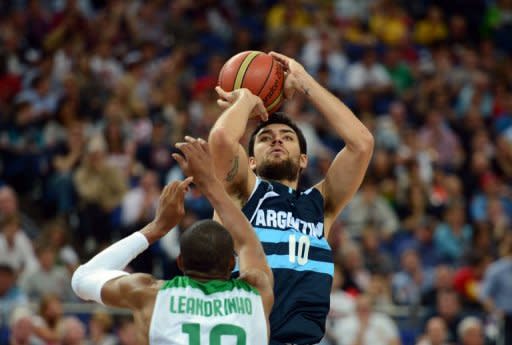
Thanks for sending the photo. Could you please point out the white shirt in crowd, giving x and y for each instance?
(381, 330)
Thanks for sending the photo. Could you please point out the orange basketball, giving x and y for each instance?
(258, 72)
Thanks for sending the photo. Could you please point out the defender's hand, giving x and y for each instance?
(171, 207)
(197, 162)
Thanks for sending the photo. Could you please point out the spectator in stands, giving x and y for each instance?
(376, 259)
(126, 332)
(449, 309)
(368, 208)
(48, 278)
(46, 322)
(453, 236)
(411, 281)
(11, 296)
(366, 326)
(66, 159)
(422, 242)
(71, 331)
(9, 206)
(432, 29)
(16, 247)
(356, 277)
(56, 234)
(443, 281)
(100, 326)
(368, 74)
(435, 333)
(21, 328)
(468, 279)
(496, 291)
(471, 331)
(101, 189)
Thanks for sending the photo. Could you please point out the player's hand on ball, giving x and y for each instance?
(196, 162)
(294, 74)
(171, 207)
(226, 99)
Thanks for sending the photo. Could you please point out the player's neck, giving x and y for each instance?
(204, 277)
(292, 184)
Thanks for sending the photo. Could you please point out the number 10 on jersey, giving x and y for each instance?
(299, 250)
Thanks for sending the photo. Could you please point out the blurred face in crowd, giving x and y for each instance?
(363, 308)
(47, 258)
(51, 308)
(277, 153)
(444, 277)
(473, 335)
(8, 202)
(149, 181)
(410, 261)
(436, 331)
(10, 230)
(455, 216)
(73, 331)
(448, 304)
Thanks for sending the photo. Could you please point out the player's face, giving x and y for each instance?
(277, 153)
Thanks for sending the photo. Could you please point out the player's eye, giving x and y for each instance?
(265, 138)
(288, 138)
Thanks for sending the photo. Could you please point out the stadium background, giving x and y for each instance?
(94, 94)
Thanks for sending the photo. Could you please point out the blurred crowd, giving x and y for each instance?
(95, 93)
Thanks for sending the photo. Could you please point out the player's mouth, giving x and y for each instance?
(277, 150)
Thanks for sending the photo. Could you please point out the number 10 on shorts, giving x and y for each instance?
(299, 250)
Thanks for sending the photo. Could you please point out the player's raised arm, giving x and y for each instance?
(101, 279)
(231, 163)
(197, 162)
(349, 167)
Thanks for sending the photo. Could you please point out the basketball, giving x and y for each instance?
(258, 72)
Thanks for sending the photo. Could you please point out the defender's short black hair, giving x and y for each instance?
(207, 247)
(279, 117)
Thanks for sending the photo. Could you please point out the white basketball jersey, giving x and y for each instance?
(218, 312)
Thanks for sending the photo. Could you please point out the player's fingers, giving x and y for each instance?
(223, 104)
(220, 91)
(190, 139)
(181, 160)
(280, 57)
(185, 148)
(183, 186)
(204, 145)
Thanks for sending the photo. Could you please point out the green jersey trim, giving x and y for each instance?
(209, 287)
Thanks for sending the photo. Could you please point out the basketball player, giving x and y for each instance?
(293, 226)
(205, 306)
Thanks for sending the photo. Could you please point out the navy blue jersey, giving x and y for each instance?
(290, 226)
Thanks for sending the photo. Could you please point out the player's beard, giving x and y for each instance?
(281, 170)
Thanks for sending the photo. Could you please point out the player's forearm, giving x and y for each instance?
(230, 126)
(89, 278)
(353, 132)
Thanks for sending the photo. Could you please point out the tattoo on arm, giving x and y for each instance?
(233, 171)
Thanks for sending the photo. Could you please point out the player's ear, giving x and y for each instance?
(252, 163)
(232, 262)
(179, 262)
(303, 161)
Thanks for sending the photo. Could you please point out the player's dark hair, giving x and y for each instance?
(207, 247)
(279, 117)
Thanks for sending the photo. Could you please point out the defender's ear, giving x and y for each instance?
(179, 262)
